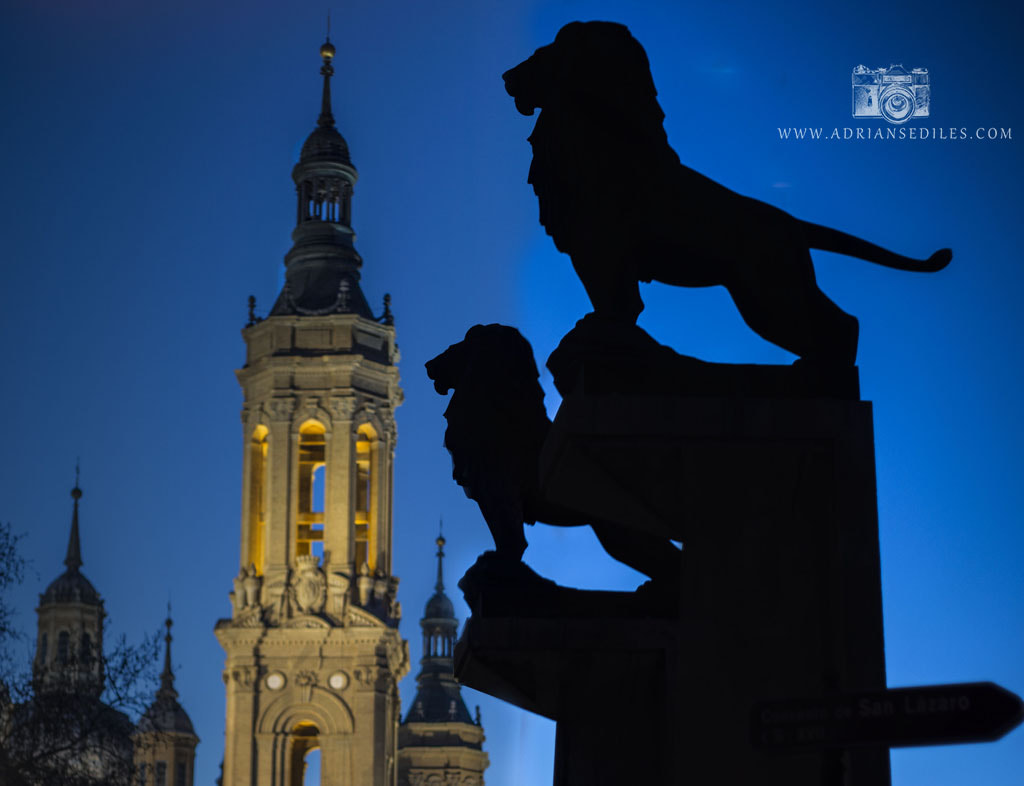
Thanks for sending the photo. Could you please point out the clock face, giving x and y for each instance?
(338, 680)
(275, 681)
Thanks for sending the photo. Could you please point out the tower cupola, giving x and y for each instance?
(438, 697)
(322, 267)
(439, 742)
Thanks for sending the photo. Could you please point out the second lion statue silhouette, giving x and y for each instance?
(497, 425)
(614, 196)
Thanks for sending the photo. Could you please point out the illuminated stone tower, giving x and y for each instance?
(439, 742)
(313, 650)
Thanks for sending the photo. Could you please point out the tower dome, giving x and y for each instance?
(325, 144)
(439, 606)
(70, 586)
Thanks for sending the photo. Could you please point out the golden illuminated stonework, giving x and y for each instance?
(313, 650)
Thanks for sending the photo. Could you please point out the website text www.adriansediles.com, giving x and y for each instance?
(912, 132)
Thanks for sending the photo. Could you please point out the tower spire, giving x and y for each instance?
(439, 587)
(167, 675)
(326, 119)
(73, 560)
(322, 267)
(438, 711)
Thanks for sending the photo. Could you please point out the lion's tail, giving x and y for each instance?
(828, 239)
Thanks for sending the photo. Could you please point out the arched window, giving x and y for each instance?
(63, 640)
(42, 648)
(85, 649)
(310, 519)
(257, 496)
(346, 203)
(365, 498)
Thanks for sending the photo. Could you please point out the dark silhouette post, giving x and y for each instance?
(764, 473)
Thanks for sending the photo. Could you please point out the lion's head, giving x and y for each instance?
(597, 66)
(599, 131)
(496, 417)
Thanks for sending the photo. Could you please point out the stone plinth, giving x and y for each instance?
(596, 662)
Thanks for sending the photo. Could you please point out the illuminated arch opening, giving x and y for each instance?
(304, 740)
(312, 458)
(258, 497)
(365, 535)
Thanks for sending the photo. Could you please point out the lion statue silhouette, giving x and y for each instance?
(497, 425)
(614, 196)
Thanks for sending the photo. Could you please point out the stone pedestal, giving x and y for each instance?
(598, 663)
(773, 498)
(774, 501)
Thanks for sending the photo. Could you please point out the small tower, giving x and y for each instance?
(439, 741)
(313, 650)
(165, 743)
(69, 644)
(68, 680)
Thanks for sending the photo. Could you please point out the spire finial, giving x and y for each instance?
(327, 51)
(73, 559)
(440, 558)
(167, 675)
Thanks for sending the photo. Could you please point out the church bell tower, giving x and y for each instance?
(313, 650)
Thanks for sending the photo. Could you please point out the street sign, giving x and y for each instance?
(900, 717)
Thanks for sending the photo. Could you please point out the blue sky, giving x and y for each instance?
(146, 152)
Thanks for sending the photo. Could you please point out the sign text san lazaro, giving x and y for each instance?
(929, 715)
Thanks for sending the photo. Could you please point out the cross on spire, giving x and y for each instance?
(440, 558)
(167, 675)
(327, 52)
(73, 559)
